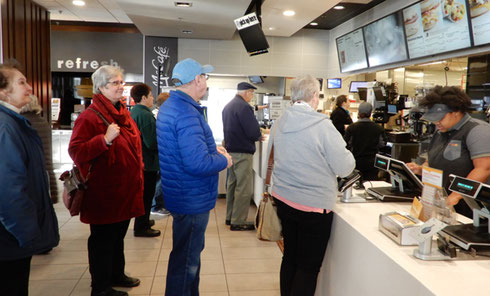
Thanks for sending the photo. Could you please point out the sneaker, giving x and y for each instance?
(160, 213)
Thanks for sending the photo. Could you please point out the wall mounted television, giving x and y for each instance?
(251, 33)
(385, 40)
(355, 84)
(430, 30)
(351, 51)
(256, 79)
(334, 83)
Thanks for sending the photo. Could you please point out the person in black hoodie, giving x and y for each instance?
(340, 116)
(364, 138)
(241, 131)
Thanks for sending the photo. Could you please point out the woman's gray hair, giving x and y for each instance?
(33, 106)
(304, 88)
(102, 76)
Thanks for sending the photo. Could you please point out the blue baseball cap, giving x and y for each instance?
(186, 70)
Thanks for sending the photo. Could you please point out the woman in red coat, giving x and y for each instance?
(109, 156)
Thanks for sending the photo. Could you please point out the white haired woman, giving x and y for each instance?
(28, 223)
(308, 155)
(106, 142)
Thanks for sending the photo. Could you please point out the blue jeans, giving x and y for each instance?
(158, 202)
(184, 263)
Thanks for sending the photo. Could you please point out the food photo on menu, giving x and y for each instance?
(480, 20)
(435, 26)
(385, 41)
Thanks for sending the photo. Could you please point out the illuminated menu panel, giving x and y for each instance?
(385, 41)
(480, 21)
(351, 51)
(435, 26)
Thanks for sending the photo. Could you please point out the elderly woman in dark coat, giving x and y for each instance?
(106, 146)
(28, 223)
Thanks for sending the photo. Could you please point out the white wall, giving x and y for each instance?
(304, 53)
(270, 85)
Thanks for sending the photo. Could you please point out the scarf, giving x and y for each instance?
(122, 118)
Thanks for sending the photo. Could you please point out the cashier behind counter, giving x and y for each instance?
(461, 144)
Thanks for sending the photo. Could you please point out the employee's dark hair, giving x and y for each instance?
(451, 96)
(6, 72)
(139, 90)
(340, 100)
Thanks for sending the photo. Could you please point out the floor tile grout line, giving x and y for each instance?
(221, 251)
(79, 280)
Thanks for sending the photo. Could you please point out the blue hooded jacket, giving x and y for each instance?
(28, 223)
(189, 161)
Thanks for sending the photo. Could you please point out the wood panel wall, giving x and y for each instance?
(26, 38)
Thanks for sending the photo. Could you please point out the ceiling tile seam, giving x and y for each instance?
(110, 12)
(60, 4)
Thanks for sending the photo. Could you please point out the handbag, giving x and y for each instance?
(74, 185)
(74, 188)
(267, 222)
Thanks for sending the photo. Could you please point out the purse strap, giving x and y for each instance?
(270, 166)
(106, 123)
(100, 116)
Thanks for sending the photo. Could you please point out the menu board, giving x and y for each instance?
(435, 26)
(480, 21)
(385, 41)
(351, 51)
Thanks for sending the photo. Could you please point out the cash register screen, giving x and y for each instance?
(400, 169)
(464, 186)
(381, 162)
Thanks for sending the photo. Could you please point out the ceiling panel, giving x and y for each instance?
(276, 24)
(332, 18)
(207, 19)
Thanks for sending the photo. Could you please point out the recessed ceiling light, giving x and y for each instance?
(78, 2)
(338, 7)
(272, 28)
(187, 31)
(289, 13)
(314, 24)
(183, 4)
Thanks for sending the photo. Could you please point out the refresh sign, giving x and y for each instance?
(82, 64)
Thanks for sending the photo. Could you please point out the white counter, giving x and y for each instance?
(360, 260)
(260, 168)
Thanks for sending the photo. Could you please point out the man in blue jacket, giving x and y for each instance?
(241, 131)
(189, 165)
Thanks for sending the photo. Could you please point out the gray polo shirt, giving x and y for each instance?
(453, 151)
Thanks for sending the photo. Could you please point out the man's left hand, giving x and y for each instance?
(221, 149)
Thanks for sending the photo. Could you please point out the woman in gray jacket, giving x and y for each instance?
(309, 154)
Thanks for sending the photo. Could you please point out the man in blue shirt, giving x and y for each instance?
(189, 166)
(241, 131)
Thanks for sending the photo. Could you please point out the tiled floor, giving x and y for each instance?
(234, 263)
